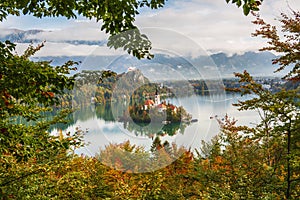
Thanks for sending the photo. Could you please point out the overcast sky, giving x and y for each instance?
(212, 24)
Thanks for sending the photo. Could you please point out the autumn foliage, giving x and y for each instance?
(259, 162)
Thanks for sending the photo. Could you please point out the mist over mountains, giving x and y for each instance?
(256, 63)
(162, 67)
(165, 67)
(30, 36)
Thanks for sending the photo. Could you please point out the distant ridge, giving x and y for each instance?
(162, 66)
(257, 64)
(20, 36)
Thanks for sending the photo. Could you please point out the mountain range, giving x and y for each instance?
(29, 36)
(165, 67)
(162, 66)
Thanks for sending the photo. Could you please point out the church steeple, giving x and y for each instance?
(157, 97)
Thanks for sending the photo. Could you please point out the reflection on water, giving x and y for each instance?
(104, 113)
(103, 126)
(154, 129)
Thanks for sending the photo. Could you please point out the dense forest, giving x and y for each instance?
(240, 162)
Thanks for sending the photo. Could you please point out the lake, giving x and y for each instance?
(103, 128)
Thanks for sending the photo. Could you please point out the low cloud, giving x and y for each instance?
(80, 30)
(66, 49)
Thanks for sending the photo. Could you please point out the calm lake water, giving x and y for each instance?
(104, 128)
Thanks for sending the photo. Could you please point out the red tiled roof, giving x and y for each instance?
(149, 102)
(161, 105)
(172, 107)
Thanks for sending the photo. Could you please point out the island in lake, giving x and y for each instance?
(145, 101)
(154, 110)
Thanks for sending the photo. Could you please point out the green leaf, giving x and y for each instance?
(246, 9)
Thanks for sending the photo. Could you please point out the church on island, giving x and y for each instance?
(156, 110)
(162, 106)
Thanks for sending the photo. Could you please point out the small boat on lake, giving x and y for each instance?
(194, 120)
